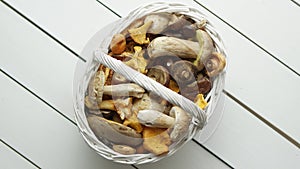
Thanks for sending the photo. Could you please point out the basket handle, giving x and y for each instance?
(200, 117)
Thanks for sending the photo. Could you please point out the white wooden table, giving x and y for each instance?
(40, 44)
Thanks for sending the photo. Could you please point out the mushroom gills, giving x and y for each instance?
(160, 74)
(182, 122)
(214, 64)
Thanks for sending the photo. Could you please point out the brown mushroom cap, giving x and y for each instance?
(214, 64)
(183, 72)
(204, 85)
(165, 61)
(160, 74)
(189, 91)
(181, 28)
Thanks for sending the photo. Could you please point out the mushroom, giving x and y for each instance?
(135, 24)
(96, 86)
(189, 91)
(182, 122)
(177, 25)
(146, 102)
(174, 18)
(153, 118)
(103, 113)
(204, 85)
(126, 89)
(156, 140)
(181, 28)
(159, 22)
(137, 61)
(201, 24)
(124, 149)
(160, 74)
(173, 86)
(118, 79)
(184, 49)
(139, 34)
(165, 61)
(123, 107)
(200, 101)
(206, 47)
(114, 132)
(214, 64)
(162, 46)
(105, 104)
(201, 86)
(133, 122)
(118, 44)
(183, 72)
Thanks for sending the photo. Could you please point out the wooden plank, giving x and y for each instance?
(297, 2)
(71, 22)
(190, 156)
(40, 134)
(36, 60)
(39, 110)
(260, 77)
(10, 159)
(272, 25)
(32, 125)
(253, 143)
(246, 142)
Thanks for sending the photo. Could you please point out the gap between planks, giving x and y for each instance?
(249, 39)
(280, 132)
(20, 154)
(74, 123)
(44, 31)
(295, 2)
(257, 115)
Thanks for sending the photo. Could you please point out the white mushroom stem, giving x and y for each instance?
(153, 118)
(185, 49)
(182, 122)
(206, 47)
(128, 89)
(170, 46)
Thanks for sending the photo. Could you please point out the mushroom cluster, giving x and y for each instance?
(170, 48)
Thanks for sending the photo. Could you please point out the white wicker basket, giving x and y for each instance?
(95, 52)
